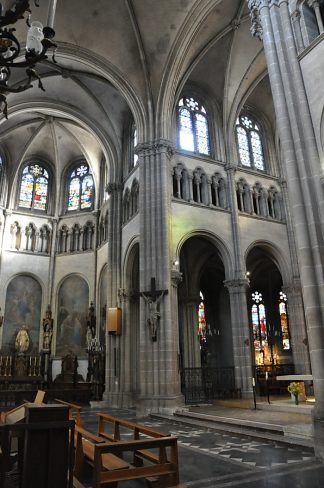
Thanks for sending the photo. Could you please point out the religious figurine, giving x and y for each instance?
(89, 336)
(154, 314)
(91, 321)
(22, 339)
(47, 329)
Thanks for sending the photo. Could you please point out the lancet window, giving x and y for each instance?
(80, 188)
(259, 327)
(284, 325)
(33, 192)
(193, 131)
(249, 143)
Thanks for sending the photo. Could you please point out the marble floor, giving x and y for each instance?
(209, 458)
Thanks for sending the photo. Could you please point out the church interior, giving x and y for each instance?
(162, 202)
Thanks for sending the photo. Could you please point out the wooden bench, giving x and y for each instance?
(74, 411)
(154, 456)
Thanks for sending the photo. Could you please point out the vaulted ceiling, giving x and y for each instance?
(119, 59)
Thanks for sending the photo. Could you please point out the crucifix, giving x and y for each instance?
(153, 298)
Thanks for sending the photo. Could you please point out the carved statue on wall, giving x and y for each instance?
(47, 329)
(91, 321)
(22, 340)
(153, 313)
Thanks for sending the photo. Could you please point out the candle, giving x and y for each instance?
(266, 375)
(253, 382)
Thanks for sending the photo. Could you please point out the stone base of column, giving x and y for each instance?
(118, 400)
(318, 426)
(158, 404)
(247, 394)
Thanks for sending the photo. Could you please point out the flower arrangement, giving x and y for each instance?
(294, 388)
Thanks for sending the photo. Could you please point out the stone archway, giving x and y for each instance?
(206, 348)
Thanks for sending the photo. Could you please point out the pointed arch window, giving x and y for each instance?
(134, 144)
(202, 320)
(259, 327)
(80, 188)
(249, 143)
(33, 192)
(193, 132)
(284, 326)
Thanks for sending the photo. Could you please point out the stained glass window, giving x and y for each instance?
(249, 143)
(34, 187)
(80, 188)
(202, 320)
(259, 328)
(135, 141)
(285, 340)
(193, 126)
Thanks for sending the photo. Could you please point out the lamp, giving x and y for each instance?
(38, 41)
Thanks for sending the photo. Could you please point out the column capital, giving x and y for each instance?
(152, 148)
(237, 286)
(230, 168)
(176, 277)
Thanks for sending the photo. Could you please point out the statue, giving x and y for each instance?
(154, 314)
(47, 329)
(91, 322)
(22, 340)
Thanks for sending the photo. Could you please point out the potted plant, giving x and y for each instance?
(294, 389)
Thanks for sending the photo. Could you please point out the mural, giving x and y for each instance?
(73, 304)
(103, 297)
(23, 308)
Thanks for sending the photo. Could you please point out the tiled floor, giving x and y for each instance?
(211, 459)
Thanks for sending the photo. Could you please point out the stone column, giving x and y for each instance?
(51, 267)
(191, 347)
(113, 342)
(272, 23)
(297, 328)
(241, 335)
(237, 287)
(316, 7)
(159, 377)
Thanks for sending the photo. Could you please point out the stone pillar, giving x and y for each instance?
(113, 342)
(159, 376)
(297, 328)
(51, 267)
(316, 7)
(241, 335)
(237, 287)
(271, 22)
(191, 347)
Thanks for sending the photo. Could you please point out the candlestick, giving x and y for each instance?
(253, 382)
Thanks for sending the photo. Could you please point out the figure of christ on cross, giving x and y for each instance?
(153, 299)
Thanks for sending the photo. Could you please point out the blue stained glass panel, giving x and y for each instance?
(202, 134)
(243, 146)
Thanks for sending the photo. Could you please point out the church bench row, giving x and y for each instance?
(106, 453)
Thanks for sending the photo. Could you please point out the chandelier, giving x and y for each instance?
(38, 41)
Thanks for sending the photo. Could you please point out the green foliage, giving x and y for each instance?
(294, 388)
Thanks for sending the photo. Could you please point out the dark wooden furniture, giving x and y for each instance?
(45, 449)
(149, 454)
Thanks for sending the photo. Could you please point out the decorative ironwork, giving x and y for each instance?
(39, 40)
(201, 385)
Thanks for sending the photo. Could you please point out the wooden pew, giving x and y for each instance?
(154, 455)
(74, 411)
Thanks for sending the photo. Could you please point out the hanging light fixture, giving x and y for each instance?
(38, 41)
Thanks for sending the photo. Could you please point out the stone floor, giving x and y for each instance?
(210, 458)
